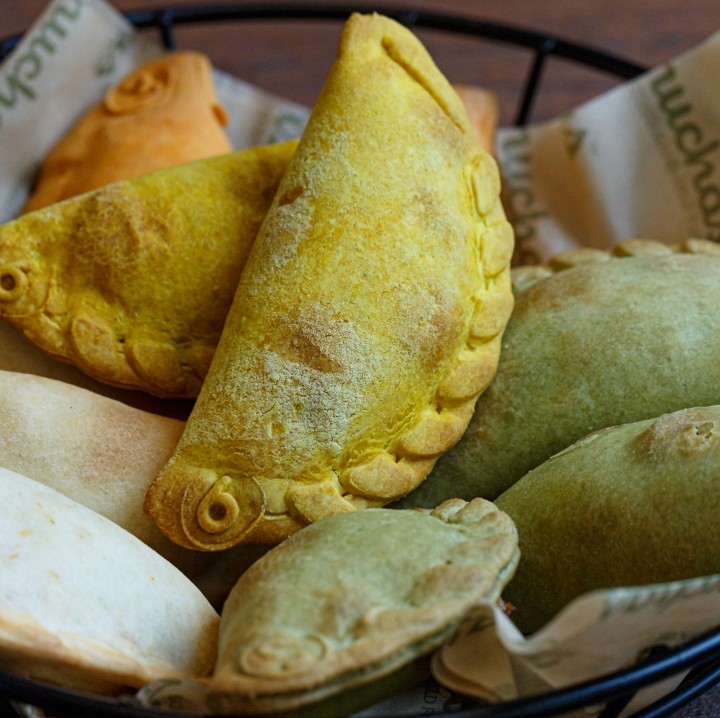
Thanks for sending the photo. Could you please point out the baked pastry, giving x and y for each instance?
(351, 599)
(104, 454)
(18, 354)
(131, 282)
(94, 450)
(628, 505)
(367, 320)
(609, 337)
(68, 578)
(164, 113)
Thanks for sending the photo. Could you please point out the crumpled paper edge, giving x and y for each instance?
(595, 635)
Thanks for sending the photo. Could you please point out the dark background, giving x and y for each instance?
(292, 59)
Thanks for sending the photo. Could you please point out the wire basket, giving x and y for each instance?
(698, 661)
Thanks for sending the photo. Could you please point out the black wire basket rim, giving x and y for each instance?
(451, 22)
(542, 45)
(702, 653)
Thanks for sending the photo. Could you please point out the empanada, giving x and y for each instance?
(602, 340)
(629, 505)
(131, 282)
(164, 113)
(94, 450)
(85, 604)
(104, 455)
(368, 317)
(484, 112)
(18, 354)
(353, 598)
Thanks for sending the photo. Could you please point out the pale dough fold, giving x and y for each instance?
(368, 317)
(87, 605)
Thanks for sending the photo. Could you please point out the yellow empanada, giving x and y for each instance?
(131, 282)
(368, 318)
(18, 354)
(164, 113)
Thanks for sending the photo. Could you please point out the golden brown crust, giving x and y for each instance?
(357, 344)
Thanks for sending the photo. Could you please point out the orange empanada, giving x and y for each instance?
(484, 112)
(164, 113)
(368, 318)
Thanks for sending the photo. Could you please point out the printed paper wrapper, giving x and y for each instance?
(597, 634)
(641, 160)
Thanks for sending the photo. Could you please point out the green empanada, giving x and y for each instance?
(597, 340)
(628, 505)
(353, 598)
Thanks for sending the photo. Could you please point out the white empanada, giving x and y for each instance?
(92, 449)
(103, 455)
(85, 604)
